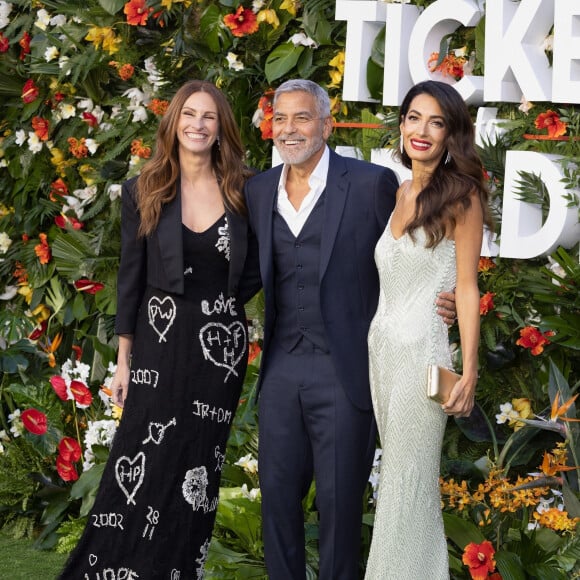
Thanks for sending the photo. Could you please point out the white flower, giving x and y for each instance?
(257, 5)
(116, 111)
(5, 9)
(66, 110)
(252, 494)
(50, 53)
(92, 146)
(508, 413)
(301, 38)
(258, 117)
(63, 64)
(525, 105)
(233, 61)
(17, 426)
(114, 191)
(9, 293)
(97, 433)
(58, 20)
(135, 95)
(42, 19)
(34, 142)
(248, 463)
(153, 75)
(86, 105)
(20, 137)
(5, 242)
(139, 114)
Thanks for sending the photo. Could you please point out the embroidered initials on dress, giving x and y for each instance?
(157, 431)
(130, 474)
(220, 458)
(223, 345)
(223, 243)
(161, 315)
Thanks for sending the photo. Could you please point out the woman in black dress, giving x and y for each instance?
(182, 348)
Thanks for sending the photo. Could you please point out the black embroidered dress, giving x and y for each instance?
(155, 509)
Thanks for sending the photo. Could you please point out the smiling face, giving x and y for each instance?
(198, 125)
(424, 131)
(297, 129)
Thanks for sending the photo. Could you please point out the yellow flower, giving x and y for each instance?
(104, 37)
(168, 3)
(26, 291)
(116, 412)
(87, 173)
(268, 16)
(335, 78)
(4, 211)
(338, 62)
(290, 6)
(41, 313)
(524, 409)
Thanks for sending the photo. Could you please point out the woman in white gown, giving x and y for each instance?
(431, 244)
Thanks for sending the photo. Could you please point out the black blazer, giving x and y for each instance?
(158, 259)
(360, 197)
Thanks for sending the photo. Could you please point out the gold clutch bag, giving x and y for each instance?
(440, 383)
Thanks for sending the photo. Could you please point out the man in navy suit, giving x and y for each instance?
(317, 219)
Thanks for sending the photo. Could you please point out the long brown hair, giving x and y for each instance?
(157, 183)
(458, 177)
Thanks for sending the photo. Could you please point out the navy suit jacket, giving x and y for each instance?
(360, 197)
(157, 260)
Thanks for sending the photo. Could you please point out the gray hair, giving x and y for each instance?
(306, 86)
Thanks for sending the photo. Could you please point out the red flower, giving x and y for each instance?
(485, 264)
(66, 469)
(29, 91)
(265, 104)
(59, 386)
(126, 71)
(551, 121)
(479, 559)
(137, 12)
(532, 338)
(88, 286)
(81, 394)
(42, 250)
(38, 331)
(253, 352)
(62, 221)
(78, 351)
(242, 22)
(69, 449)
(486, 303)
(41, 127)
(35, 421)
(58, 187)
(24, 43)
(4, 43)
(90, 119)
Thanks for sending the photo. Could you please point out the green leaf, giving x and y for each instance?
(282, 60)
(375, 75)
(112, 6)
(86, 487)
(460, 531)
(509, 566)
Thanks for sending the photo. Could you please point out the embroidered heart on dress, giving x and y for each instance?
(161, 315)
(92, 559)
(130, 474)
(224, 345)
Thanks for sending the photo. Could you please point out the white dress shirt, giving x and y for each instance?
(296, 218)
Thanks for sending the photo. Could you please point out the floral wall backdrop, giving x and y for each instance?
(83, 85)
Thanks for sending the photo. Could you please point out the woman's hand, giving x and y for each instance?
(446, 307)
(462, 398)
(120, 385)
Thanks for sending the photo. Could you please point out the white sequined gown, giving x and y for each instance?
(406, 335)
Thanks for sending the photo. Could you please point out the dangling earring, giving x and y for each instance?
(447, 158)
(401, 145)
(218, 142)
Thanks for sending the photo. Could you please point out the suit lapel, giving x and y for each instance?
(170, 245)
(336, 193)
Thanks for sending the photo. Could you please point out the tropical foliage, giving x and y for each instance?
(83, 85)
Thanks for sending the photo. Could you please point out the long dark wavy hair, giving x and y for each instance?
(456, 179)
(157, 182)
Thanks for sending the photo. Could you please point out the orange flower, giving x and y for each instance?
(485, 264)
(532, 338)
(137, 148)
(126, 71)
(550, 120)
(158, 106)
(450, 65)
(42, 250)
(58, 188)
(40, 127)
(242, 22)
(486, 303)
(479, 559)
(77, 147)
(29, 91)
(24, 43)
(20, 274)
(265, 103)
(253, 352)
(137, 12)
(51, 348)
